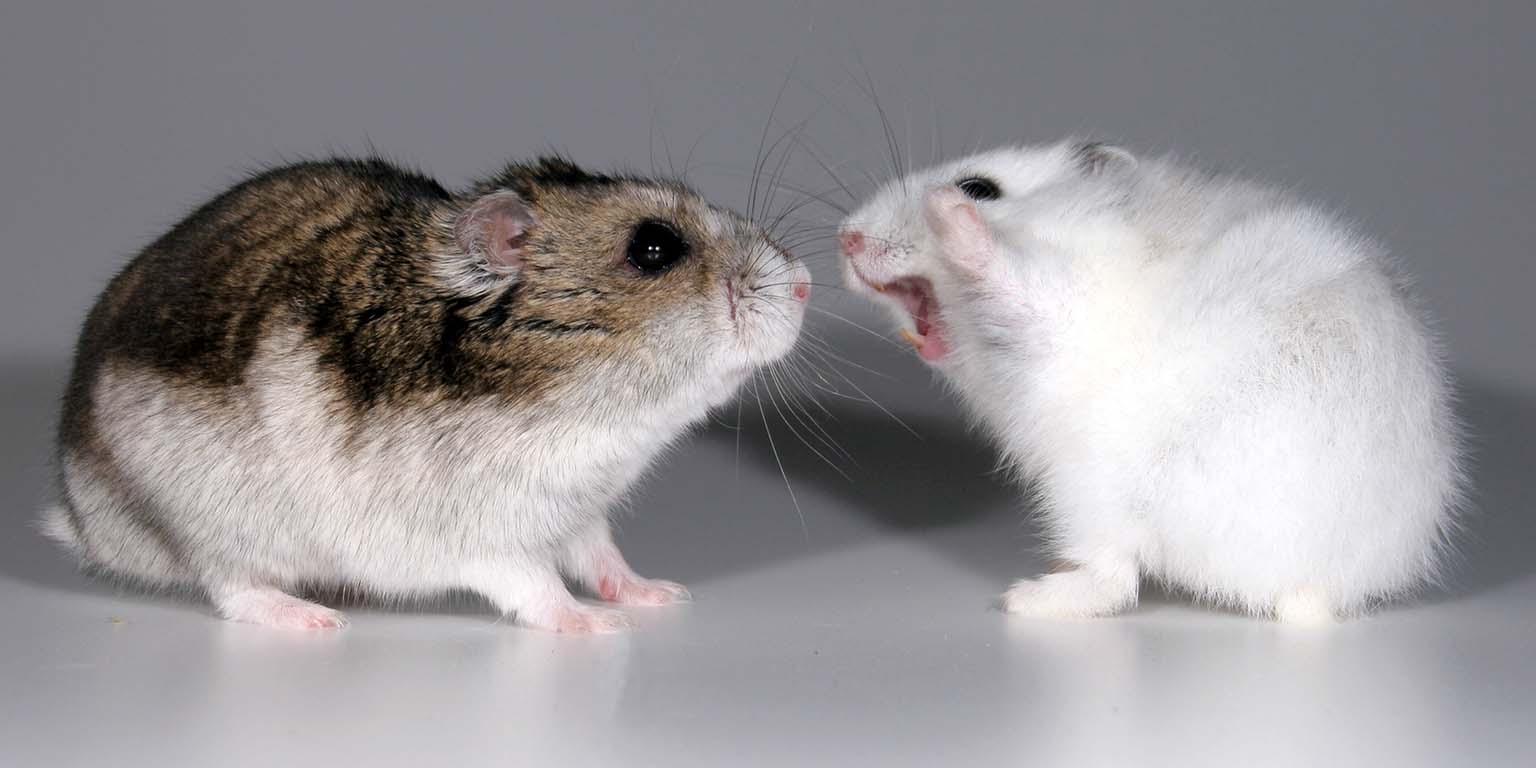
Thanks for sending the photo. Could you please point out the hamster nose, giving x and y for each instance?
(852, 242)
(802, 291)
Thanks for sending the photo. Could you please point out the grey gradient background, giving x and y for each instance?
(864, 633)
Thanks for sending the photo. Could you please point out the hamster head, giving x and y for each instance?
(891, 244)
(629, 286)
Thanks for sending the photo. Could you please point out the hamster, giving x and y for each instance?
(1206, 381)
(340, 374)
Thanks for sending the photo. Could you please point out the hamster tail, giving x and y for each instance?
(1305, 607)
(58, 524)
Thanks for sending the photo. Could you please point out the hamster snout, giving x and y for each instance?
(766, 300)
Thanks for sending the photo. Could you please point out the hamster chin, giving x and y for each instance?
(1208, 381)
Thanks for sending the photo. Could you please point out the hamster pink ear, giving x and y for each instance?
(963, 238)
(1096, 157)
(495, 229)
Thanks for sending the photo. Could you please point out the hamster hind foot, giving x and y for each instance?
(1082, 593)
(594, 561)
(536, 595)
(274, 608)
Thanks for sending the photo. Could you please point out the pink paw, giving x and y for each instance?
(589, 620)
(272, 608)
(638, 591)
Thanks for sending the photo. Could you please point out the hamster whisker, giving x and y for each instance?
(821, 196)
(819, 344)
(801, 378)
(897, 166)
(821, 434)
(806, 199)
(783, 371)
(859, 326)
(790, 425)
(822, 351)
(775, 181)
(722, 423)
(825, 350)
(688, 158)
(796, 240)
(739, 400)
(828, 286)
(828, 170)
(876, 403)
(772, 446)
(650, 137)
(775, 177)
(762, 142)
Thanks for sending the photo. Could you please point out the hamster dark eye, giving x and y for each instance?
(655, 247)
(979, 188)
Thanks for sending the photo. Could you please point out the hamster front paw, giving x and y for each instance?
(1077, 594)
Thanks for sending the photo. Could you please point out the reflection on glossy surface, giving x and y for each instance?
(867, 637)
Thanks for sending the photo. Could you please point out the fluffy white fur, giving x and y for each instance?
(1206, 381)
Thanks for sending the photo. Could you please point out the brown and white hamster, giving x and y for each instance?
(340, 374)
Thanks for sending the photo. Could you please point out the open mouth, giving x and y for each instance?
(916, 296)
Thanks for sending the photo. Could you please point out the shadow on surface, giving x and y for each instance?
(945, 480)
(1498, 545)
(944, 475)
(27, 417)
(940, 487)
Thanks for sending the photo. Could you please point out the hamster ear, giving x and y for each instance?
(1094, 157)
(962, 235)
(494, 229)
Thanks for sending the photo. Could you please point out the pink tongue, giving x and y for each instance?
(933, 346)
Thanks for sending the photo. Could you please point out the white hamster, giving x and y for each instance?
(1208, 381)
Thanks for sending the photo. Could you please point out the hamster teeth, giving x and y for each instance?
(915, 340)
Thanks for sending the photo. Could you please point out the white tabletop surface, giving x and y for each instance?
(867, 637)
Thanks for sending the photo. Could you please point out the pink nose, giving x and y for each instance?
(802, 291)
(852, 242)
